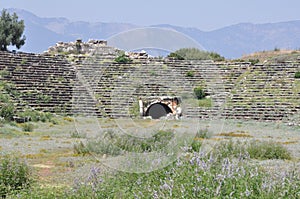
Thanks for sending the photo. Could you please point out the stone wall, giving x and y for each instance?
(99, 86)
(43, 82)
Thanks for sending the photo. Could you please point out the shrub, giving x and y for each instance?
(267, 150)
(14, 175)
(254, 61)
(199, 92)
(7, 109)
(123, 59)
(190, 74)
(114, 144)
(195, 54)
(76, 134)
(80, 149)
(197, 175)
(297, 74)
(205, 102)
(36, 116)
(176, 56)
(27, 127)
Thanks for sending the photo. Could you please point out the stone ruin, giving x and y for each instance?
(77, 47)
(165, 106)
(239, 90)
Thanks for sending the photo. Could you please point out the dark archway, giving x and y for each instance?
(158, 110)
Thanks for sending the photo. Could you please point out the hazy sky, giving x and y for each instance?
(205, 15)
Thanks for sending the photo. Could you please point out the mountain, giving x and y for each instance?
(231, 41)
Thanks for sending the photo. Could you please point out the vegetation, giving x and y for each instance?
(123, 59)
(195, 54)
(176, 56)
(114, 144)
(218, 174)
(190, 74)
(205, 102)
(297, 74)
(7, 108)
(199, 93)
(267, 150)
(11, 31)
(14, 175)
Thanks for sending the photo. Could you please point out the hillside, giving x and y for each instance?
(231, 42)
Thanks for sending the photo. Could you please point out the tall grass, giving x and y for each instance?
(15, 175)
(226, 172)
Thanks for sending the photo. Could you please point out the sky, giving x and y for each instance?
(204, 15)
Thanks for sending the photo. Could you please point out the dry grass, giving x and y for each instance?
(241, 134)
(267, 55)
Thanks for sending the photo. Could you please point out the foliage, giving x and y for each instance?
(254, 61)
(205, 102)
(268, 150)
(198, 175)
(115, 144)
(27, 127)
(224, 172)
(123, 59)
(7, 108)
(199, 92)
(297, 74)
(254, 149)
(11, 31)
(14, 175)
(76, 134)
(36, 116)
(176, 56)
(190, 74)
(195, 54)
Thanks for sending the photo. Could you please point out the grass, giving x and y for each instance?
(205, 102)
(268, 150)
(227, 171)
(218, 174)
(114, 144)
(15, 175)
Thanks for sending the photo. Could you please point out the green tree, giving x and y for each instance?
(11, 31)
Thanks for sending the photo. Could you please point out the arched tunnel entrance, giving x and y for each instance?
(158, 110)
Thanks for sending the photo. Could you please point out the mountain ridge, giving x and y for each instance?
(231, 41)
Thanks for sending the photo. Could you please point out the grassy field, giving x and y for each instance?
(103, 158)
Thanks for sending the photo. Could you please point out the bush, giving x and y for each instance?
(254, 61)
(197, 175)
(123, 59)
(190, 74)
(27, 127)
(199, 92)
(36, 116)
(267, 150)
(14, 175)
(195, 54)
(114, 144)
(205, 102)
(297, 74)
(176, 56)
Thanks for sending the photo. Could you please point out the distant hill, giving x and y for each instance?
(231, 42)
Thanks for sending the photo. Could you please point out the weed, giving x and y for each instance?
(268, 150)
(14, 175)
(28, 127)
(199, 92)
(190, 74)
(205, 102)
(76, 134)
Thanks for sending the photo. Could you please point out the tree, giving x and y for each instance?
(11, 31)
